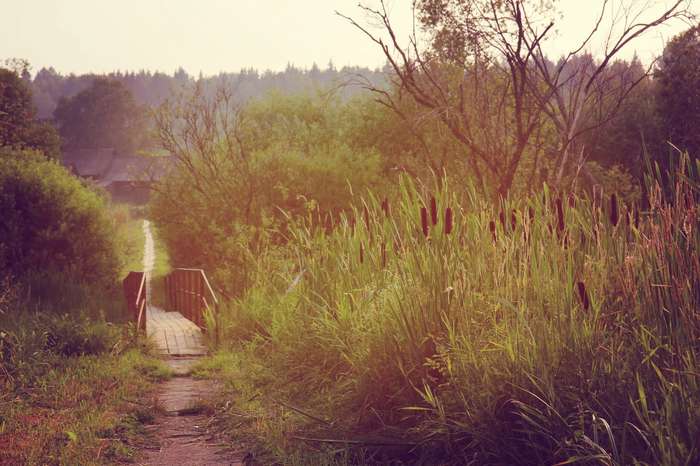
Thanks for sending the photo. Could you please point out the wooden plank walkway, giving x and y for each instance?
(173, 334)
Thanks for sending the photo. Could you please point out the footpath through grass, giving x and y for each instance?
(76, 387)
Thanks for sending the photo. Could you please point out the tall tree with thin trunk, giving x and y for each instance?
(485, 75)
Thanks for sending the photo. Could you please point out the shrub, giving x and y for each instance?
(52, 223)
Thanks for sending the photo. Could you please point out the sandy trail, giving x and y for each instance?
(171, 332)
(181, 430)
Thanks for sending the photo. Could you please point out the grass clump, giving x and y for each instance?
(547, 330)
(74, 389)
(88, 409)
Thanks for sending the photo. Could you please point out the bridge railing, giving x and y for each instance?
(136, 298)
(189, 292)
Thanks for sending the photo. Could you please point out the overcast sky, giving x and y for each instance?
(226, 35)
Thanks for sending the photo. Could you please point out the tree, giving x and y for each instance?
(243, 173)
(678, 77)
(16, 111)
(103, 115)
(635, 129)
(18, 126)
(486, 77)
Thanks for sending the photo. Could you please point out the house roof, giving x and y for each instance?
(93, 163)
(137, 168)
(107, 166)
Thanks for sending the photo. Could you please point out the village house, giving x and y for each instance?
(127, 178)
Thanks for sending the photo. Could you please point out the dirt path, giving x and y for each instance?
(182, 429)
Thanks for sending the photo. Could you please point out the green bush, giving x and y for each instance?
(224, 206)
(52, 223)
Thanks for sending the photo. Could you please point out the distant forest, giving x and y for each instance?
(152, 88)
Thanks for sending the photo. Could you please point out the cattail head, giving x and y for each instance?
(448, 221)
(531, 213)
(583, 295)
(560, 215)
(385, 207)
(383, 254)
(433, 210)
(614, 214)
(502, 218)
(572, 200)
(513, 220)
(424, 221)
(492, 227)
(362, 253)
(366, 214)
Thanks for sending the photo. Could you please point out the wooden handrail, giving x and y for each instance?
(136, 298)
(189, 292)
(139, 321)
(142, 289)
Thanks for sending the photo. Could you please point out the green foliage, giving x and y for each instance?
(18, 127)
(52, 223)
(227, 205)
(38, 339)
(567, 335)
(16, 112)
(103, 115)
(635, 128)
(678, 75)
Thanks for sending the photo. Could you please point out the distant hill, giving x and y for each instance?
(48, 86)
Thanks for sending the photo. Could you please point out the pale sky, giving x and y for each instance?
(226, 35)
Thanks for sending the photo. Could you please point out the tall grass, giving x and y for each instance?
(548, 330)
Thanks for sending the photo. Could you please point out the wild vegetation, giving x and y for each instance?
(479, 255)
(508, 285)
(441, 329)
(74, 383)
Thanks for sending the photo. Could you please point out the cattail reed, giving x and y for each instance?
(492, 227)
(614, 214)
(424, 220)
(583, 295)
(560, 215)
(385, 207)
(433, 210)
(366, 214)
(448, 221)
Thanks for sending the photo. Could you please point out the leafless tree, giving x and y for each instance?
(486, 77)
(204, 133)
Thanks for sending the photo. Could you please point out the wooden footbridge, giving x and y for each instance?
(176, 330)
(189, 302)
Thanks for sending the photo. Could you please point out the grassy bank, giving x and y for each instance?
(161, 268)
(72, 391)
(438, 329)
